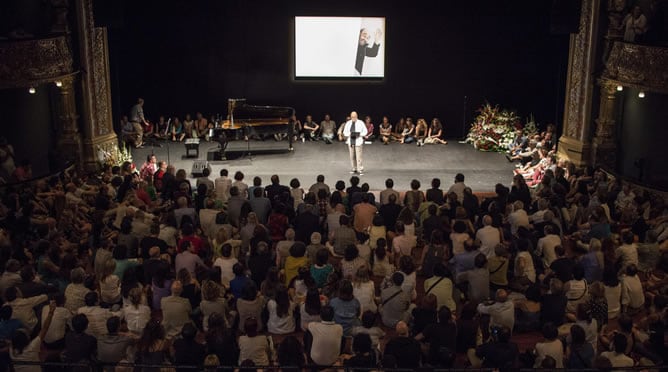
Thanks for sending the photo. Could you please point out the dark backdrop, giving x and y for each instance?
(186, 56)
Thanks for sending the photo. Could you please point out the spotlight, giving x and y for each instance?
(59, 83)
(32, 90)
(641, 94)
(620, 88)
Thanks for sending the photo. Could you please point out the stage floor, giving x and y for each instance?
(402, 163)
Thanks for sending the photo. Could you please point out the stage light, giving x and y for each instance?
(59, 83)
(620, 88)
(641, 94)
(32, 90)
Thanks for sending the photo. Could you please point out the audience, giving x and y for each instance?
(100, 275)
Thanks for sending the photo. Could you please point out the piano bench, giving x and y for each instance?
(192, 144)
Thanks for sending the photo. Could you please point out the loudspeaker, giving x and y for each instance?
(199, 166)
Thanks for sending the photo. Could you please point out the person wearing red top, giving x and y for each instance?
(148, 168)
(188, 234)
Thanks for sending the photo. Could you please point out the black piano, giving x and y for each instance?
(254, 128)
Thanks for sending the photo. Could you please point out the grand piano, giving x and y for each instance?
(254, 128)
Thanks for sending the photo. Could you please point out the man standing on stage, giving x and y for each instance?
(137, 119)
(355, 127)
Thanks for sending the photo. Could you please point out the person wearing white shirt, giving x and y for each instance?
(222, 186)
(136, 314)
(633, 296)
(617, 357)
(547, 244)
(354, 125)
(458, 187)
(488, 236)
(326, 338)
(97, 316)
(518, 218)
(23, 308)
(55, 334)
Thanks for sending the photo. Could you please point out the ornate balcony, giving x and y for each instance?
(32, 62)
(638, 66)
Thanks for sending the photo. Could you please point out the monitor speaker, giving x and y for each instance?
(199, 166)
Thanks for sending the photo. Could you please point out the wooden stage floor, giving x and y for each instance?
(402, 163)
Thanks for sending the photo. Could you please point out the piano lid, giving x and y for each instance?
(239, 109)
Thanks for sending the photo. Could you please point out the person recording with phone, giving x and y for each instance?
(354, 132)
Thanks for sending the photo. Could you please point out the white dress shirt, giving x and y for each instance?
(357, 126)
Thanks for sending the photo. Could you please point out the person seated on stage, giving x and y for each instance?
(202, 126)
(369, 129)
(297, 129)
(327, 129)
(189, 127)
(339, 133)
(399, 129)
(435, 133)
(421, 130)
(310, 128)
(408, 132)
(162, 129)
(178, 130)
(518, 145)
(385, 131)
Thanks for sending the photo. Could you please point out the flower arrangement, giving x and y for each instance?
(111, 154)
(494, 128)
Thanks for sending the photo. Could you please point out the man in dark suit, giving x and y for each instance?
(363, 48)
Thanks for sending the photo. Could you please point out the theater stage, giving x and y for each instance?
(403, 163)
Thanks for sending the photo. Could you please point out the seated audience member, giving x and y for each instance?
(396, 304)
(477, 280)
(424, 314)
(281, 308)
(501, 311)
(363, 353)
(364, 289)
(226, 262)
(254, 346)
(136, 314)
(618, 357)
(351, 262)
(328, 129)
(369, 328)
(153, 347)
(23, 308)
(294, 261)
(7, 324)
(55, 335)
(80, 346)
(439, 337)
(212, 303)
(441, 286)
(240, 279)
(325, 338)
(346, 307)
(291, 353)
(380, 265)
(22, 349)
(499, 352)
(579, 354)
(321, 269)
(96, 316)
(577, 289)
(187, 351)
(498, 267)
(405, 349)
(250, 305)
(113, 347)
(528, 313)
(553, 305)
(633, 295)
(175, 310)
(550, 347)
(221, 341)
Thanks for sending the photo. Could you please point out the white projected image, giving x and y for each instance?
(340, 47)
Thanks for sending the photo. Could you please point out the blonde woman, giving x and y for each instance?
(212, 302)
(364, 290)
(421, 130)
(136, 314)
(435, 133)
(110, 284)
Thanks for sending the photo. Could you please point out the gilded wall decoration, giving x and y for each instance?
(25, 62)
(639, 66)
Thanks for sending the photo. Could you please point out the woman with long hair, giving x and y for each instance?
(152, 347)
(221, 341)
(212, 302)
(310, 309)
(281, 309)
(110, 285)
(435, 252)
(421, 131)
(135, 312)
(347, 308)
(364, 290)
(250, 305)
(351, 262)
(435, 134)
(271, 283)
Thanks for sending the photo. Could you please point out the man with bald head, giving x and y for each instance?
(354, 131)
(404, 348)
(501, 311)
(488, 237)
(175, 310)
